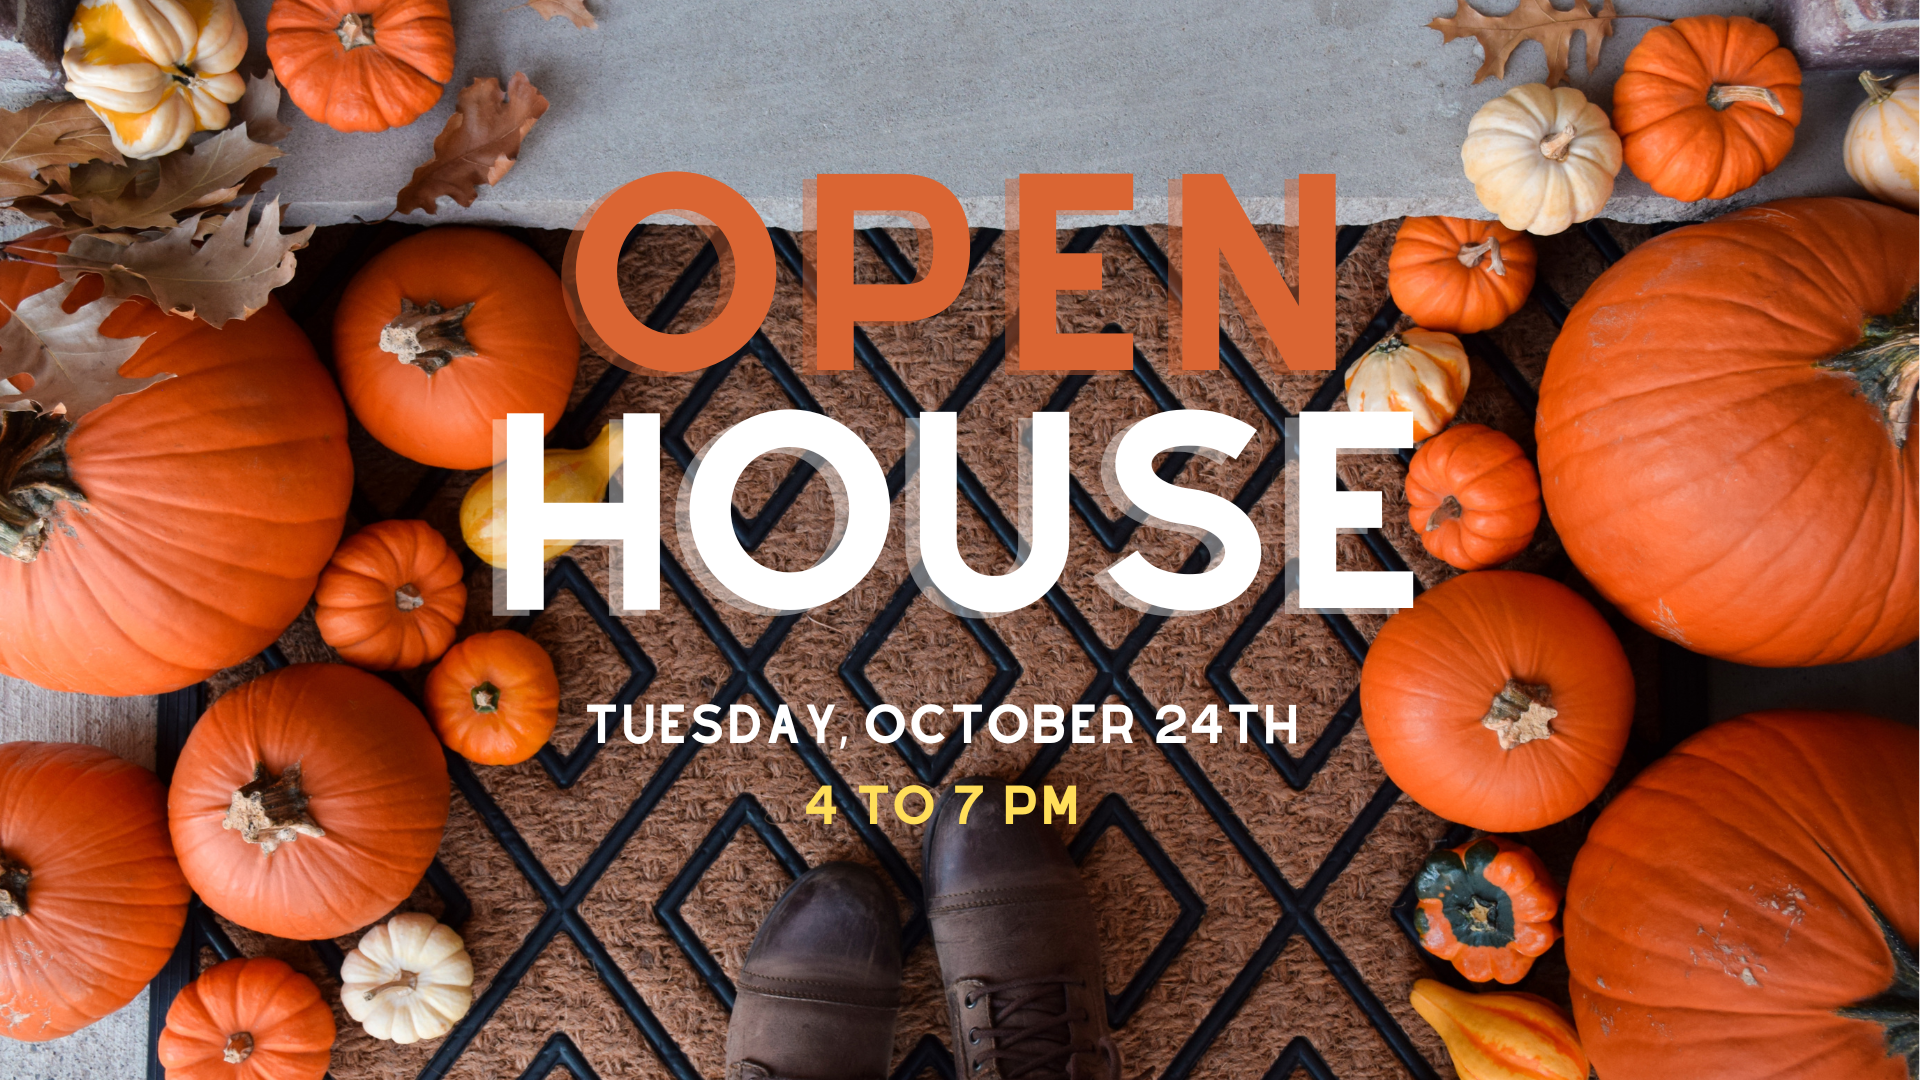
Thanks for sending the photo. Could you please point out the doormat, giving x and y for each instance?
(1245, 899)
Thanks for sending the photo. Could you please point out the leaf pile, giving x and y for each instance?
(478, 146)
(1530, 20)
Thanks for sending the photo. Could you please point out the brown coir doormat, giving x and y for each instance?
(931, 657)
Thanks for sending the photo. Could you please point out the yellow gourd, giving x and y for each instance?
(1507, 1036)
(571, 476)
(156, 71)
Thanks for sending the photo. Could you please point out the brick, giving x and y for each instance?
(1850, 34)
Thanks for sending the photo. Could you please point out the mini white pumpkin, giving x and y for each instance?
(409, 979)
(156, 71)
(1541, 159)
(1883, 141)
(1424, 372)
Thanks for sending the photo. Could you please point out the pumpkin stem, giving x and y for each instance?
(271, 812)
(1470, 255)
(1886, 364)
(1520, 714)
(486, 698)
(1876, 87)
(1897, 1008)
(407, 597)
(239, 1048)
(355, 30)
(427, 336)
(1557, 146)
(1448, 510)
(13, 887)
(1720, 97)
(408, 980)
(34, 480)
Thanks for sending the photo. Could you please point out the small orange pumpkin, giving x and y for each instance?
(445, 333)
(308, 802)
(391, 596)
(1488, 906)
(1460, 275)
(494, 699)
(1499, 700)
(1473, 497)
(248, 1019)
(1707, 105)
(361, 65)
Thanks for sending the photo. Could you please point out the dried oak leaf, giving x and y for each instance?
(478, 146)
(574, 11)
(1530, 20)
(259, 109)
(68, 360)
(187, 179)
(228, 277)
(46, 134)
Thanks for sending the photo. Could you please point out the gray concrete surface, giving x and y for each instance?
(972, 92)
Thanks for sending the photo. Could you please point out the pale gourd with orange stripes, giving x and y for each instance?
(1508, 1036)
(156, 71)
(1423, 372)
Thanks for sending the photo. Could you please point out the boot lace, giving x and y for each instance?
(1036, 1030)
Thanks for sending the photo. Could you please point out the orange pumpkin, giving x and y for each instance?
(494, 699)
(361, 65)
(247, 1019)
(392, 596)
(1487, 906)
(448, 331)
(1499, 700)
(1707, 105)
(1473, 497)
(1725, 434)
(1459, 275)
(308, 802)
(1748, 905)
(91, 899)
(192, 517)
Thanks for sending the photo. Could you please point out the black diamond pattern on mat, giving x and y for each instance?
(178, 711)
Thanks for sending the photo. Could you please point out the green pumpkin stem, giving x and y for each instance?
(1886, 364)
(1520, 713)
(271, 811)
(13, 886)
(428, 336)
(1897, 1008)
(486, 698)
(34, 480)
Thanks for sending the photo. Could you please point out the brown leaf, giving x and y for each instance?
(226, 278)
(1530, 20)
(186, 179)
(44, 134)
(575, 11)
(259, 109)
(479, 144)
(69, 361)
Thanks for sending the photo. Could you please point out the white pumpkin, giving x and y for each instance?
(1883, 141)
(156, 71)
(1424, 372)
(1541, 159)
(409, 979)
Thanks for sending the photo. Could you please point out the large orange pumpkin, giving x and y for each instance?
(308, 802)
(212, 500)
(446, 332)
(1725, 436)
(1707, 105)
(391, 596)
(1460, 275)
(1499, 700)
(361, 65)
(248, 1019)
(91, 900)
(1725, 913)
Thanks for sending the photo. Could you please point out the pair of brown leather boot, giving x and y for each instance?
(1018, 945)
